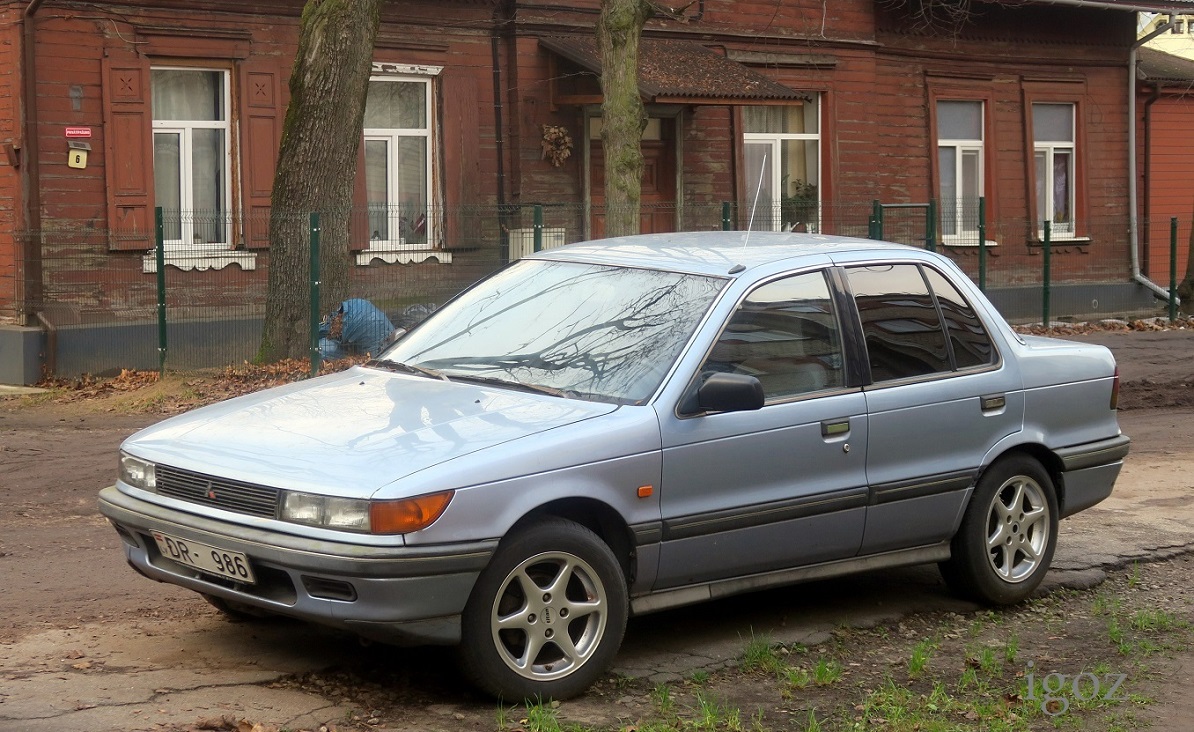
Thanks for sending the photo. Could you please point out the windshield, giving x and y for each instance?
(598, 332)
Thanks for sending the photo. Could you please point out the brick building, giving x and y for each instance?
(799, 114)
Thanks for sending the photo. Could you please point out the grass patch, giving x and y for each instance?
(1070, 661)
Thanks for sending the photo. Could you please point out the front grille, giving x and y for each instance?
(208, 490)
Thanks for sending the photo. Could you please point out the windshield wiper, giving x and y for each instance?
(538, 388)
(406, 368)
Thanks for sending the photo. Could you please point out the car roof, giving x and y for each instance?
(712, 252)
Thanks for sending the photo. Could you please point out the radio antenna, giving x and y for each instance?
(751, 224)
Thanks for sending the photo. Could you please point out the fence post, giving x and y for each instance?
(725, 215)
(159, 254)
(537, 227)
(931, 226)
(315, 315)
(1172, 269)
(982, 243)
(876, 219)
(1047, 274)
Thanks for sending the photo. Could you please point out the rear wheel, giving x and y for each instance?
(546, 618)
(1006, 541)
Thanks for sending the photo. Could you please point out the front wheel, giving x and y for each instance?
(546, 617)
(1005, 543)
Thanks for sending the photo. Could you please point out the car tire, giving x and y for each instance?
(547, 615)
(1005, 544)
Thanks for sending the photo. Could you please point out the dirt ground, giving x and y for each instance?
(62, 573)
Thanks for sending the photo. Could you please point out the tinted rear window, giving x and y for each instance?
(904, 337)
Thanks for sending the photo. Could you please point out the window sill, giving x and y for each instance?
(967, 242)
(190, 261)
(1039, 241)
(391, 254)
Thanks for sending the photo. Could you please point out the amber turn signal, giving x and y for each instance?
(408, 514)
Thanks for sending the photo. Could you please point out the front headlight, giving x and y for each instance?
(138, 473)
(348, 514)
(355, 514)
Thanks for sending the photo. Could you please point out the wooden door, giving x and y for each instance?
(658, 211)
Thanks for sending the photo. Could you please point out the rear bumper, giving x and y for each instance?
(395, 594)
(1089, 472)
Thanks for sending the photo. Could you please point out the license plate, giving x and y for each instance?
(209, 559)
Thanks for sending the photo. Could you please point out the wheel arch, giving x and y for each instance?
(1043, 455)
(596, 516)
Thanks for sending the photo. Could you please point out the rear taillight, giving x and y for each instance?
(1115, 390)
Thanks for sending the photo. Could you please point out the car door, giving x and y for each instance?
(939, 400)
(753, 491)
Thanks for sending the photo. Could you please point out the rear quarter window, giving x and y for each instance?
(968, 338)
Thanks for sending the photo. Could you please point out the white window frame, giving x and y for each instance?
(185, 253)
(964, 235)
(395, 248)
(185, 130)
(775, 140)
(1050, 149)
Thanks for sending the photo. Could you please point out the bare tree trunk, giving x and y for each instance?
(623, 115)
(317, 163)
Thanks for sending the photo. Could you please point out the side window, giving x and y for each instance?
(191, 156)
(904, 337)
(781, 147)
(967, 336)
(960, 165)
(398, 162)
(1053, 151)
(786, 334)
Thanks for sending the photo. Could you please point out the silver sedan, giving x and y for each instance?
(629, 425)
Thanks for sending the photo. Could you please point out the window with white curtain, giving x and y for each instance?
(398, 162)
(192, 157)
(960, 166)
(781, 146)
(1053, 157)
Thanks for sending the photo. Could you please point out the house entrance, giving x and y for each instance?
(658, 211)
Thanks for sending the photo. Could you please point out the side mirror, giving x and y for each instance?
(722, 392)
(394, 336)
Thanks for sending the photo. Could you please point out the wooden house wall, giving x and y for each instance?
(100, 218)
(876, 90)
(1011, 59)
(10, 177)
(1171, 186)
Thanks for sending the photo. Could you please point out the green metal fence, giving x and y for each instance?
(104, 306)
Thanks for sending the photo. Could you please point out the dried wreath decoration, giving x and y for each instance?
(557, 144)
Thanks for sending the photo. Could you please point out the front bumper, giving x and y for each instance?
(404, 595)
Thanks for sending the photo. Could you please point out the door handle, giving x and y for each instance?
(992, 402)
(835, 428)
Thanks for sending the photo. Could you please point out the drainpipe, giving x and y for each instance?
(1148, 176)
(30, 157)
(1133, 224)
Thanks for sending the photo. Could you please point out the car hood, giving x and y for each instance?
(351, 433)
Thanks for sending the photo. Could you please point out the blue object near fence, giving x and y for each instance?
(357, 327)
